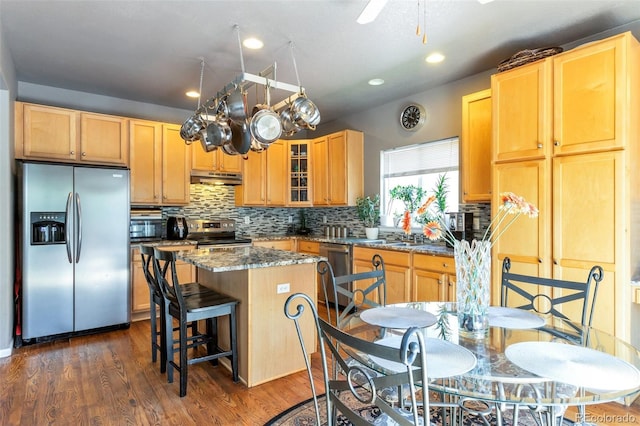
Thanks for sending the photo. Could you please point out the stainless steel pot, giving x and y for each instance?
(304, 112)
(266, 126)
(289, 127)
(216, 134)
(190, 130)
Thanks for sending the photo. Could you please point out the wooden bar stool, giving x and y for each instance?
(206, 304)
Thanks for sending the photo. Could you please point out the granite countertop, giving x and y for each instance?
(242, 258)
(157, 243)
(423, 248)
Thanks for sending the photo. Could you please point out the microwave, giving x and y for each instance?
(145, 225)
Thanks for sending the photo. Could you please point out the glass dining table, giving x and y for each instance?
(529, 360)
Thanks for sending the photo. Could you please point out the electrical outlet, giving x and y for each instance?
(283, 288)
(324, 219)
(476, 224)
(290, 219)
(247, 220)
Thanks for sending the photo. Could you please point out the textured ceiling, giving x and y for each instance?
(148, 50)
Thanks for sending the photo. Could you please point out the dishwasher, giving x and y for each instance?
(339, 257)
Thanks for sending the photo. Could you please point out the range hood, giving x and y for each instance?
(215, 178)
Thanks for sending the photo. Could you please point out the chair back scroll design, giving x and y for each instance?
(411, 359)
(358, 297)
(579, 291)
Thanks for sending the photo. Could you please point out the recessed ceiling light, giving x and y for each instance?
(376, 81)
(192, 94)
(253, 43)
(435, 58)
(484, 1)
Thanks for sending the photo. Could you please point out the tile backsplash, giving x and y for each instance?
(218, 202)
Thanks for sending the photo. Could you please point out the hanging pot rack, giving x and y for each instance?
(296, 110)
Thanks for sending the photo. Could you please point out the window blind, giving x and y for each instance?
(429, 157)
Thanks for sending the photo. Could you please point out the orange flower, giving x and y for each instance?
(406, 222)
(432, 230)
(423, 208)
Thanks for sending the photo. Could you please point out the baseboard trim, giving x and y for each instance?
(6, 352)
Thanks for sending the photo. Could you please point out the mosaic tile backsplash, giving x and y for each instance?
(218, 202)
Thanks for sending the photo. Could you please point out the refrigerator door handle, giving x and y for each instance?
(79, 227)
(67, 228)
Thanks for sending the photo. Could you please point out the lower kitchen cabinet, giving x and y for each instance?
(139, 288)
(277, 244)
(312, 247)
(397, 270)
(434, 278)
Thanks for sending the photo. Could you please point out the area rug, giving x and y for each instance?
(303, 414)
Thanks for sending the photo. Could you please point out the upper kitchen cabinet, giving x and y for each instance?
(592, 94)
(585, 183)
(65, 135)
(160, 164)
(476, 147)
(215, 161)
(521, 116)
(264, 177)
(299, 173)
(337, 169)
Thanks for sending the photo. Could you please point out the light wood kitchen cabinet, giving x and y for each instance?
(299, 169)
(583, 179)
(214, 161)
(521, 117)
(160, 164)
(434, 278)
(337, 168)
(66, 135)
(288, 245)
(140, 289)
(476, 147)
(310, 247)
(264, 177)
(397, 271)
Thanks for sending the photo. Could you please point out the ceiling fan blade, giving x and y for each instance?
(371, 11)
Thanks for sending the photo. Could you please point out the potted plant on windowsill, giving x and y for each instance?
(369, 213)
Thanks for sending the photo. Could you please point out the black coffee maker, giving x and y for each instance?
(461, 225)
(177, 228)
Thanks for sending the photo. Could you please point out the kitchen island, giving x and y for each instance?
(262, 279)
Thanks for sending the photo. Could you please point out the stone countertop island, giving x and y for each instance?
(262, 279)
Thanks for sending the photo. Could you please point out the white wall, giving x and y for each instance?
(7, 95)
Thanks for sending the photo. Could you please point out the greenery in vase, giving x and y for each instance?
(369, 210)
(440, 191)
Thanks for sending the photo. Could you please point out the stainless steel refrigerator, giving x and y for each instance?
(74, 240)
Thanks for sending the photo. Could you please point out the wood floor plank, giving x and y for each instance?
(109, 379)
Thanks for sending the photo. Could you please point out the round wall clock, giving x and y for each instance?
(412, 117)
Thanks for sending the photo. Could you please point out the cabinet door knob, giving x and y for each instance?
(73, 153)
(539, 145)
(444, 265)
(556, 143)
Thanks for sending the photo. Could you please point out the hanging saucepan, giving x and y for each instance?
(265, 126)
(216, 134)
(236, 106)
(304, 112)
(241, 137)
(228, 148)
(222, 110)
(190, 130)
(289, 127)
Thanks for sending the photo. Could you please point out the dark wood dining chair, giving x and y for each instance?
(200, 303)
(354, 389)
(156, 303)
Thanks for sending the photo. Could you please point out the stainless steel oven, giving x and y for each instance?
(211, 233)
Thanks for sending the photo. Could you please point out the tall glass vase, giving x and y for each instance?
(473, 281)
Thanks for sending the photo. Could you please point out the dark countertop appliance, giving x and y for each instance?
(215, 233)
(177, 228)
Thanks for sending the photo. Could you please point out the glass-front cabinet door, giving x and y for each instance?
(299, 173)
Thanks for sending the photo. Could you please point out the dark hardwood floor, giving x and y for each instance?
(108, 379)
